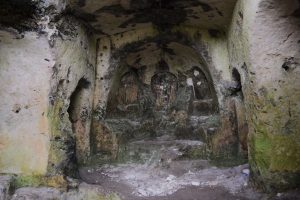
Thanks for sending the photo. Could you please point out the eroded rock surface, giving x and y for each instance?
(5, 183)
(152, 181)
(140, 82)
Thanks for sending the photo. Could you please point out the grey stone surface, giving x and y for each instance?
(5, 183)
(42, 193)
(82, 77)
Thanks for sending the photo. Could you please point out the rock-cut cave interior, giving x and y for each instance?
(149, 99)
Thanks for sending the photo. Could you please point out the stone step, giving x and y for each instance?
(204, 120)
(195, 129)
(160, 151)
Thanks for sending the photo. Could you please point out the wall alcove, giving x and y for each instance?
(154, 104)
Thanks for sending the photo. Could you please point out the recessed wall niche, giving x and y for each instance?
(168, 106)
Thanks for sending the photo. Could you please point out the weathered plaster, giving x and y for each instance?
(214, 53)
(264, 47)
(75, 60)
(115, 16)
(104, 62)
(40, 70)
(26, 66)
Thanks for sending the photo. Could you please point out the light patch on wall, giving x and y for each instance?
(189, 81)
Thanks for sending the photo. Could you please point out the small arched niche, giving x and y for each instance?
(123, 99)
(128, 89)
(199, 82)
(77, 99)
(203, 101)
(164, 88)
(79, 115)
(236, 77)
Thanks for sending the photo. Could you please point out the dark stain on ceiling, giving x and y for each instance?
(116, 16)
(19, 14)
(108, 17)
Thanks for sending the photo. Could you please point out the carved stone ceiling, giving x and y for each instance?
(109, 17)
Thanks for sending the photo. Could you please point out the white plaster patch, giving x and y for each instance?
(196, 73)
(189, 81)
(199, 83)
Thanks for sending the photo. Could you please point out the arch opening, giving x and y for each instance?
(236, 76)
(79, 114)
(157, 96)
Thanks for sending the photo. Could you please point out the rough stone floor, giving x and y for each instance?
(181, 180)
(166, 169)
(157, 169)
(169, 173)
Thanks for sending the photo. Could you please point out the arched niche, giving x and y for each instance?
(199, 83)
(128, 90)
(123, 97)
(156, 90)
(236, 77)
(164, 88)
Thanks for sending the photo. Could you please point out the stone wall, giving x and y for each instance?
(264, 47)
(57, 76)
(71, 95)
(26, 67)
(227, 144)
(42, 63)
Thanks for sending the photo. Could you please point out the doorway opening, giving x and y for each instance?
(79, 117)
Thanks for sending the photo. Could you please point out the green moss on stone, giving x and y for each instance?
(260, 150)
(28, 181)
(58, 125)
(274, 159)
(54, 119)
(285, 153)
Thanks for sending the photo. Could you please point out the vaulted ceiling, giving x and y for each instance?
(115, 16)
